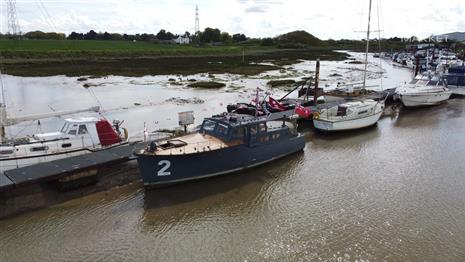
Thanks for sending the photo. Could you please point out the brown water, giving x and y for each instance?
(395, 192)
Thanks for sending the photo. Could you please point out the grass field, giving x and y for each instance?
(64, 48)
(75, 57)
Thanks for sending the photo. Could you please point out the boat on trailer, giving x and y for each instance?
(224, 144)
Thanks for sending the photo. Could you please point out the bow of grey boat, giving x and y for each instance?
(224, 144)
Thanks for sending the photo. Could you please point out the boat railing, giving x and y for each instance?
(196, 147)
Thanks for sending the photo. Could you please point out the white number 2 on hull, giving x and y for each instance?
(165, 165)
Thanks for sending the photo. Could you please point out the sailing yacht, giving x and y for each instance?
(353, 114)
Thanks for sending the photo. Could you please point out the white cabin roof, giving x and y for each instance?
(82, 120)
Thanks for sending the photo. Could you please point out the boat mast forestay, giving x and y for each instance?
(367, 47)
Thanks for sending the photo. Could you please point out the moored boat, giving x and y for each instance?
(423, 90)
(224, 144)
(456, 80)
(349, 116)
(78, 136)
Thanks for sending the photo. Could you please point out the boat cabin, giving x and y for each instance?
(456, 76)
(225, 131)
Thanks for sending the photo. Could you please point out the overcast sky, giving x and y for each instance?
(324, 18)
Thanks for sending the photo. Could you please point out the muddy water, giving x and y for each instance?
(394, 192)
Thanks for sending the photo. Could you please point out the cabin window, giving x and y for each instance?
(64, 128)
(262, 127)
(341, 111)
(363, 112)
(73, 130)
(239, 132)
(82, 130)
(264, 139)
(253, 130)
(6, 152)
(208, 125)
(275, 136)
(39, 148)
(66, 145)
(222, 130)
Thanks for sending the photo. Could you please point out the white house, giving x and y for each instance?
(182, 40)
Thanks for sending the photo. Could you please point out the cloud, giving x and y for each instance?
(256, 9)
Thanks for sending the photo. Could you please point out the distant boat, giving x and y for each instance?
(456, 80)
(423, 90)
(224, 144)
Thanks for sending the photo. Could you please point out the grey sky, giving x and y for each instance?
(325, 19)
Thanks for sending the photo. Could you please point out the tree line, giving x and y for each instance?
(209, 35)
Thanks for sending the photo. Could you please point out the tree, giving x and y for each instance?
(210, 35)
(106, 36)
(267, 41)
(91, 35)
(76, 36)
(225, 37)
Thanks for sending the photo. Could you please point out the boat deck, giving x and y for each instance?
(59, 168)
(195, 143)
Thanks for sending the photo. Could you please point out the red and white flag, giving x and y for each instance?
(303, 111)
(275, 104)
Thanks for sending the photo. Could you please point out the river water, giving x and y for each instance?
(394, 192)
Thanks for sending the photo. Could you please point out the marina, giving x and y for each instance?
(251, 142)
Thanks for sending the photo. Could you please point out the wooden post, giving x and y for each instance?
(417, 65)
(317, 79)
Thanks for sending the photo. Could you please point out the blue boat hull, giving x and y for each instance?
(168, 169)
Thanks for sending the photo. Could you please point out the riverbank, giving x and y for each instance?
(35, 58)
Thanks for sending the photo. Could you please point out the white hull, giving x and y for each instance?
(457, 90)
(424, 99)
(367, 121)
(9, 164)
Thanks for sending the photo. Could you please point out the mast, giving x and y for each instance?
(367, 47)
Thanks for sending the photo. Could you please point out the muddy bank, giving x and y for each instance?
(252, 64)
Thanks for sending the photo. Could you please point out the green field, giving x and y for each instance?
(64, 48)
(93, 57)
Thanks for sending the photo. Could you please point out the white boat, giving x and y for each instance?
(349, 115)
(423, 90)
(352, 114)
(78, 136)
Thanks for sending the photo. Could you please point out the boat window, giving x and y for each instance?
(414, 81)
(222, 129)
(66, 145)
(208, 125)
(83, 130)
(262, 127)
(433, 82)
(73, 130)
(341, 111)
(6, 152)
(64, 128)
(39, 148)
(253, 130)
(239, 132)
(363, 112)
(275, 136)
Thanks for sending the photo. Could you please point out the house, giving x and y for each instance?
(181, 40)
